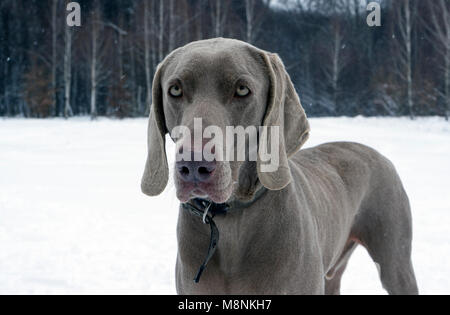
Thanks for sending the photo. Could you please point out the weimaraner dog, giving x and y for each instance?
(290, 231)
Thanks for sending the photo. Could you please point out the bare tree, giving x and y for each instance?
(94, 82)
(254, 12)
(97, 36)
(338, 60)
(219, 14)
(119, 35)
(405, 17)
(54, 52)
(161, 30)
(173, 30)
(148, 17)
(439, 27)
(200, 8)
(335, 57)
(250, 9)
(68, 112)
(98, 68)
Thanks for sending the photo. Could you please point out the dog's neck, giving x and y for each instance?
(207, 211)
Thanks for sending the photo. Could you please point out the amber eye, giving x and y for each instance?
(242, 91)
(175, 91)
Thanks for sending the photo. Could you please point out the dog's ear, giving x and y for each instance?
(285, 111)
(156, 174)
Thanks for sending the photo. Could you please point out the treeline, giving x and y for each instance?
(339, 64)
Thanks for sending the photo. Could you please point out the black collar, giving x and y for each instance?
(207, 211)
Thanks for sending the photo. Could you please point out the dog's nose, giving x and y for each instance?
(196, 171)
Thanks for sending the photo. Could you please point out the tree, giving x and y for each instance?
(161, 30)
(254, 13)
(173, 28)
(250, 19)
(68, 112)
(96, 60)
(54, 53)
(403, 47)
(439, 29)
(200, 9)
(334, 52)
(219, 14)
(148, 17)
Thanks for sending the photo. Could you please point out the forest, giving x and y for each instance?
(339, 64)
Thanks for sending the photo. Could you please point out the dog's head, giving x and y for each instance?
(235, 116)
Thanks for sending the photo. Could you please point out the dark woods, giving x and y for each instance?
(339, 64)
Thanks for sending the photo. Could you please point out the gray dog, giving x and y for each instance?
(291, 231)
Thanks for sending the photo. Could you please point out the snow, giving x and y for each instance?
(73, 219)
(293, 4)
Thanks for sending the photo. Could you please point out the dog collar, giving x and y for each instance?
(207, 211)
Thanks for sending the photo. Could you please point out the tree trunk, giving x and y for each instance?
(249, 13)
(148, 79)
(336, 60)
(120, 48)
(94, 70)
(68, 112)
(218, 23)
(154, 52)
(440, 40)
(139, 99)
(408, 39)
(161, 30)
(54, 57)
(133, 77)
(172, 32)
(199, 29)
(447, 80)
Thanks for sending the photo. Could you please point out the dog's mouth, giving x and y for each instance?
(208, 191)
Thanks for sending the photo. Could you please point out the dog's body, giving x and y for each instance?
(289, 241)
(297, 237)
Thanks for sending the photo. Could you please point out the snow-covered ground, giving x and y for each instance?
(73, 219)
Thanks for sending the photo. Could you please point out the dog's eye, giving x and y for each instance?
(242, 91)
(175, 91)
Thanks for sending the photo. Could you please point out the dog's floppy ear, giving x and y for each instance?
(285, 111)
(156, 174)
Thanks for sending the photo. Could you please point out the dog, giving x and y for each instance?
(286, 232)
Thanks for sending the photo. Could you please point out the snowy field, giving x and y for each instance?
(73, 219)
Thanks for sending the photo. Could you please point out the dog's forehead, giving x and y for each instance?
(213, 58)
